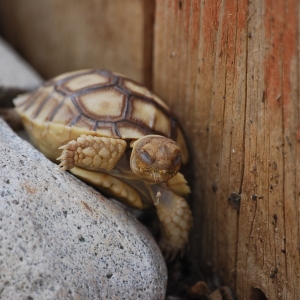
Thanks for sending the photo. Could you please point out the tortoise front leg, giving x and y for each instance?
(92, 152)
(176, 220)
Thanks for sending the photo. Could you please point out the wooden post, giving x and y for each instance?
(230, 70)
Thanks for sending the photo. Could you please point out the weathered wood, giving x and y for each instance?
(230, 70)
(58, 36)
(271, 235)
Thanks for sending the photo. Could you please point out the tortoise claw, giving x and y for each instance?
(66, 154)
(67, 160)
(70, 146)
(66, 166)
(63, 168)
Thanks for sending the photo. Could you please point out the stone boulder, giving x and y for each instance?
(60, 239)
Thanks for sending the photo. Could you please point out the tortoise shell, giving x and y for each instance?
(96, 102)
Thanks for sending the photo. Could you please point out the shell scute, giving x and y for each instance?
(84, 122)
(83, 82)
(97, 104)
(35, 104)
(38, 131)
(135, 88)
(142, 91)
(128, 131)
(66, 113)
(49, 108)
(66, 76)
(145, 112)
(107, 129)
(59, 132)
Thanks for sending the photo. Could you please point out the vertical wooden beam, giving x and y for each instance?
(197, 70)
(270, 237)
(230, 71)
(148, 40)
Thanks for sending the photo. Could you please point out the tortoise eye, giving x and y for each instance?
(177, 159)
(146, 157)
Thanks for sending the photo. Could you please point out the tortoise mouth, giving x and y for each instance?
(157, 176)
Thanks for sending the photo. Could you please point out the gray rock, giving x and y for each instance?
(60, 239)
(16, 76)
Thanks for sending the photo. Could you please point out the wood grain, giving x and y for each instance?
(230, 71)
(58, 36)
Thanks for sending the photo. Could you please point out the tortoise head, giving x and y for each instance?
(155, 158)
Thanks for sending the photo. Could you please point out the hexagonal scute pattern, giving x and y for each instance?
(100, 101)
(102, 104)
(83, 82)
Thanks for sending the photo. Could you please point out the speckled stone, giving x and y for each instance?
(60, 239)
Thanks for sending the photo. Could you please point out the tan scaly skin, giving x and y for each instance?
(154, 159)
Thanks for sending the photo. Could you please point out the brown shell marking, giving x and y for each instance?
(102, 103)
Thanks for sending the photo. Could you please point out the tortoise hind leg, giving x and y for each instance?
(176, 221)
(92, 152)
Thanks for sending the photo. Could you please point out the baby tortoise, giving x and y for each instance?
(118, 136)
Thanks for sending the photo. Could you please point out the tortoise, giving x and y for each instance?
(115, 134)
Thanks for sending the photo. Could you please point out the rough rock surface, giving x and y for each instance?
(16, 76)
(60, 239)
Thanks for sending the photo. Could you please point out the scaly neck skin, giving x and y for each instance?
(146, 188)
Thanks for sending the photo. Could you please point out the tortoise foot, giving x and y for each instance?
(176, 221)
(67, 156)
(92, 152)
